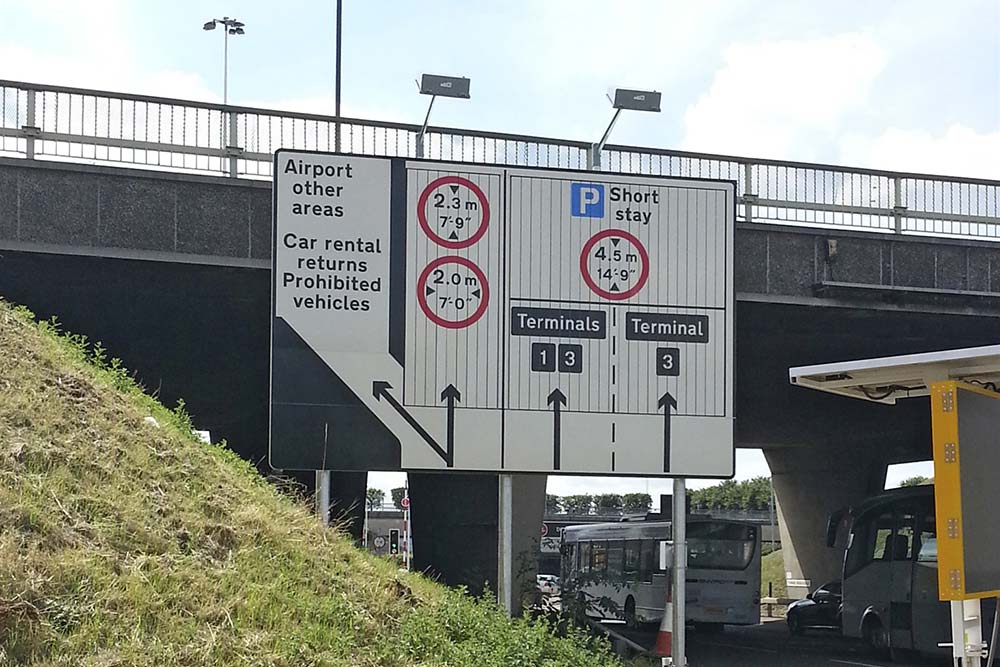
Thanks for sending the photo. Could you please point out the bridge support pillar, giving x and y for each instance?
(809, 484)
(455, 528)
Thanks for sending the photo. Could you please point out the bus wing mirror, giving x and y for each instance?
(832, 527)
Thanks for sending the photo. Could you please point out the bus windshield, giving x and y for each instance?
(720, 546)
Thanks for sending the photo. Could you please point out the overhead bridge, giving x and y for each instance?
(145, 223)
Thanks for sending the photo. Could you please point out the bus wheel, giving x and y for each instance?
(876, 636)
(630, 620)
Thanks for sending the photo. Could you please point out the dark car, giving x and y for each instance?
(820, 610)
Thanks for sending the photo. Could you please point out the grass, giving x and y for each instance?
(126, 541)
(772, 571)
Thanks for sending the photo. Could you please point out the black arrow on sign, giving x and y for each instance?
(614, 287)
(451, 394)
(476, 293)
(556, 399)
(615, 241)
(380, 389)
(454, 189)
(668, 403)
(430, 290)
(453, 236)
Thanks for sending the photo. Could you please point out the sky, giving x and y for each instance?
(912, 86)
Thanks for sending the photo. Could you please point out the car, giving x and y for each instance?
(820, 610)
(547, 583)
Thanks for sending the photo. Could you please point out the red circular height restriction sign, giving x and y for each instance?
(614, 264)
(459, 212)
(453, 292)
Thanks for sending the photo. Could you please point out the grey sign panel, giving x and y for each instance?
(978, 421)
(444, 86)
(637, 100)
(433, 315)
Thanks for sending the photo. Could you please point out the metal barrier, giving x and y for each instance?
(79, 125)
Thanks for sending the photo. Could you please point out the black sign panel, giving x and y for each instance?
(558, 322)
(666, 327)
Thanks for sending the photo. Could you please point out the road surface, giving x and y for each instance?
(770, 645)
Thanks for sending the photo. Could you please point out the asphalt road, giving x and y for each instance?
(770, 645)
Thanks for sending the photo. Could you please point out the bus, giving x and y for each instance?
(612, 570)
(890, 578)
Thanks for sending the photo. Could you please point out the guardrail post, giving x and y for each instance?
(231, 148)
(748, 197)
(29, 128)
(898, 208)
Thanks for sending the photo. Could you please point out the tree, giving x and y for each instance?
(635, 503)
(397, 496)
(918, 480)
(553, 504)
(608, 503)
(578, 505)
(375, 498)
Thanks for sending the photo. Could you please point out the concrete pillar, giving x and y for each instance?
(347, 501)
(529, 511)
(455, 526)
(809, 484)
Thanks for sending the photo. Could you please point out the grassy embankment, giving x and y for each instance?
(126, 541)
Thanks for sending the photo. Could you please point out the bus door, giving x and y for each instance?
(931, 617)
(901, 558)
(867, 568)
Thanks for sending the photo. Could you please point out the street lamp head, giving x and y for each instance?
(236, 31)
(237, 24)
(636, 100)
(444, 86)
(209, 25)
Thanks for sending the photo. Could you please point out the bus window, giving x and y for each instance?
(631, 565)
(926, 544)
(869, 538)
(906, 521)
(599, 559)
(647, 560)
(569, 558)
(584, 551)
(616, 554)
(882, 533)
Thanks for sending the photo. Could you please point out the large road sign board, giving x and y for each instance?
(432, 315)
(964, 420)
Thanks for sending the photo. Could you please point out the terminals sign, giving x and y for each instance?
(485, 318)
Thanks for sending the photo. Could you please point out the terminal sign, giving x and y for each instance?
(436, 316)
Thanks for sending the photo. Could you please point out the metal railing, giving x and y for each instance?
(79, 125)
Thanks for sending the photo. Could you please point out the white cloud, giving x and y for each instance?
(958, 151)
(90, 45)
(784, 99)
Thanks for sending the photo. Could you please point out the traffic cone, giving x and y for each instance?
(665, 636)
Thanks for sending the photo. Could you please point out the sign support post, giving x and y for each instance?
(323, 496)
(505, 542)
(679, 536)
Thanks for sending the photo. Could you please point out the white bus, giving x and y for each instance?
(890, 577)
(613, 571)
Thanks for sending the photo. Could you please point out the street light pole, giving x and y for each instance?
(225, 67)
(230, 26)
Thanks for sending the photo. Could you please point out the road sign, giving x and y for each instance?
(432, 315)
(379, 541)
(405, 503)
(964, 419)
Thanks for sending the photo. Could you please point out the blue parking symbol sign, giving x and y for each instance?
(586, 200)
